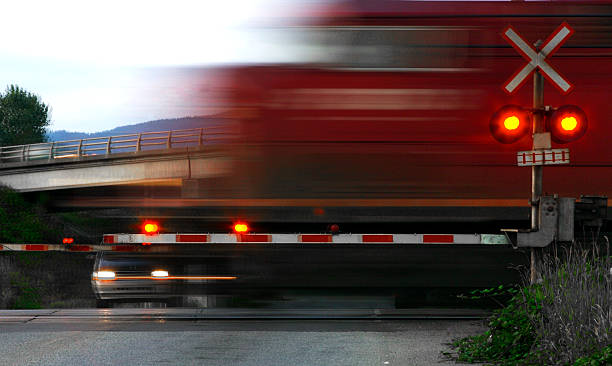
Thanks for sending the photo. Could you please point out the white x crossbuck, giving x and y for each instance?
(538, 60)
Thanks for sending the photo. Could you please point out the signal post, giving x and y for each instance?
(537, 171)
(564, 124)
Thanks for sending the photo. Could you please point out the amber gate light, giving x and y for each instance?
(568, 123)
(510, 123)
(150, 227)
(241, 228)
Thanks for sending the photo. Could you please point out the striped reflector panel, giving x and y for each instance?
(377, 238)
(123, 248)
(36, 247)
(438, 239)
(254, 238)
(109, 239)
(79, 248)
(191, 238)
(315, 238)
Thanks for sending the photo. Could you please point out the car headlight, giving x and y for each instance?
(106, 275)
(160, 273)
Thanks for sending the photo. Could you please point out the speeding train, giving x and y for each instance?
(382, 117)
(390, 111)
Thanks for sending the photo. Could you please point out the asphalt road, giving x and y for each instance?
(202, 337)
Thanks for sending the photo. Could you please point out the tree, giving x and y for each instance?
(23, 117)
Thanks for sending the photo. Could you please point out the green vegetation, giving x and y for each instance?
(603, 357)
(33, 280)
(28, 297)
(23, 117)
(511, 334)
(23, 222)
(564, 320)
(19, 221)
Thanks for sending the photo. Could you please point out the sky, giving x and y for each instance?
(103, 64)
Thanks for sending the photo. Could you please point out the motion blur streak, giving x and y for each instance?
(171, 278)
(387, 106)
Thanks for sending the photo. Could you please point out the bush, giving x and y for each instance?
(564, 320)
(511, 333)
(19, 222)
(601, 358)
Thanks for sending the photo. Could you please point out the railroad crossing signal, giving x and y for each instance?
(511, 122)
(537, 60)
(566, 124)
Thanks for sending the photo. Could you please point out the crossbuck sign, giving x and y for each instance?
(538, 59)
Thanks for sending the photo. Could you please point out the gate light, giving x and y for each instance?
(567, 123)
(241, 228)
(150, 228)
(510, 123)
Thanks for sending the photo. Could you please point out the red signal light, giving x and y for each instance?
(510, 123)
(568, 123)
(241, 228)
(150, 228)
(68, 240)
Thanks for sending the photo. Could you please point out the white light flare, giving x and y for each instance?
(106, 275)
(159, 273)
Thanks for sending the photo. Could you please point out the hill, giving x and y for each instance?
(151, 126)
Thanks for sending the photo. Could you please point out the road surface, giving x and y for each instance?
(219, 337)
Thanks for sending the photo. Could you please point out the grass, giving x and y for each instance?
(25, 222)
(20, 222)
(32, 280)
(564, 320)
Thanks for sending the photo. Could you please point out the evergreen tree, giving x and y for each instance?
(23, 117)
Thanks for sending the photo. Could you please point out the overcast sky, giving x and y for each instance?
(103, 64)
(97, 64)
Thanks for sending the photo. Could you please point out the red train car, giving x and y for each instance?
(391, 110)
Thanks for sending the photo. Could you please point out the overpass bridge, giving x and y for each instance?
(179, 156)
(197, 174)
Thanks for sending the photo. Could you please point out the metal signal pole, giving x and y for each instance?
(536, 170)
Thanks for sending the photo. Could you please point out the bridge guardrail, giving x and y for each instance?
(93, 146)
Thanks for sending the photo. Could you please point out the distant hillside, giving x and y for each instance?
(151, 126)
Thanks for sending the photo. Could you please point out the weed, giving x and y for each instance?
(600, 358)
(29, 298)
(566, 318)
(510, 336)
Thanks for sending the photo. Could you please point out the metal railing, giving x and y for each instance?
(97, 146)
